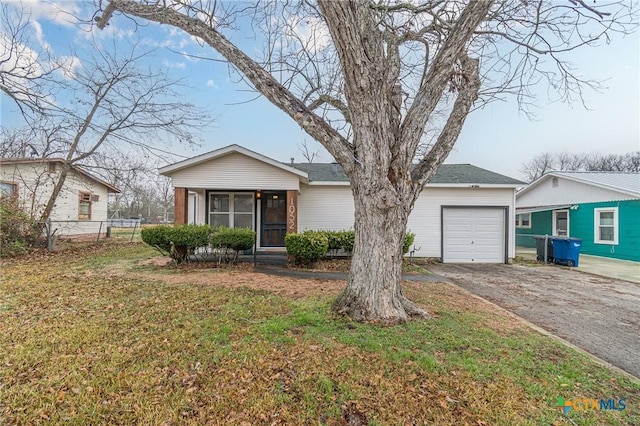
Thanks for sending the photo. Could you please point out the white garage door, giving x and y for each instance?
(473, 234)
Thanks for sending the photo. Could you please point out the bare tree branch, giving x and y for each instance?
(260, 79)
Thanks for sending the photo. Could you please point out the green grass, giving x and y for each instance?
(91, 338)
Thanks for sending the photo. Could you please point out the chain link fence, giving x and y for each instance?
(56, 231)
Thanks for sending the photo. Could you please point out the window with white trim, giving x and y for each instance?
(606, 225)
(234, 210)
(523, 220)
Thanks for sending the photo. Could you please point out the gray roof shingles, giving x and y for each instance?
(446, 174)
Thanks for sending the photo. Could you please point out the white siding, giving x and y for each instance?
(235, 172)
(566, 192)
(325, 207)
(425, 219)
(35, 185)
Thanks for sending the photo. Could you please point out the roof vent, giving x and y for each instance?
(292, 159)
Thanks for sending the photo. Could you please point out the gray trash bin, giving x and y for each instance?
(540, 248)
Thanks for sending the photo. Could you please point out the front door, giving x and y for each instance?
(274, 219)
(561, 223)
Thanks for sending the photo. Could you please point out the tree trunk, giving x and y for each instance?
(374, 290)
(56, 191)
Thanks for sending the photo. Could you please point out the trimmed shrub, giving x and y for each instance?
(340, 240)
(345, 240)
(235, 239)
(18, 233)
(238, 239)
(409, 238)
(308, 247)
(177, 241)
(157, 237)
(334, 240)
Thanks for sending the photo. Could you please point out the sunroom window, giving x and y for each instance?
(234, 210)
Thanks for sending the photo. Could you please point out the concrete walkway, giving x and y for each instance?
(603, 266)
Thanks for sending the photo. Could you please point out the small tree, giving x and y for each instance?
(178, 242)
(107, 101)
(18, 232)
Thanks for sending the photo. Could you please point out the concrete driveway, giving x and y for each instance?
(600, 315)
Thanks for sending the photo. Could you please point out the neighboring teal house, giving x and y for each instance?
(601, 208)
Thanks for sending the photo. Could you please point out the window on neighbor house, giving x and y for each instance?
(523, 220)
(8, 189)
(84, 206)
(606, 225)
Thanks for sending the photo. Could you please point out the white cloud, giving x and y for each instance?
(20, 65)
(64, 12)
(189, 57)
(18, 59)
(69, 65)
(310, 34)
(168, 64)
(40, 36)
(211, 83)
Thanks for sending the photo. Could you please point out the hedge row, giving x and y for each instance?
(182, 240)
(310, 246)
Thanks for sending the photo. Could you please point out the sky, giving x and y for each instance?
(498, 137)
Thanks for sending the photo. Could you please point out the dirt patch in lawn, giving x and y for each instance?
(156, 261)
(240, 275)
(294, 288)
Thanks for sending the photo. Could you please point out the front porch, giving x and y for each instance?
(270, 213)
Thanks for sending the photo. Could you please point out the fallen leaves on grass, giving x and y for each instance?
(92, 338)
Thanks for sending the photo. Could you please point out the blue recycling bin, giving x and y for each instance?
(566, 251)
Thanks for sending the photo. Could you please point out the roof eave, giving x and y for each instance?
(473, 185)
(212, 155)
(430, 185)
(329, 183)
(541, 179)
(110, 188)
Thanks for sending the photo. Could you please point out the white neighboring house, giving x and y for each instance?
(80, 206)
(466, 214)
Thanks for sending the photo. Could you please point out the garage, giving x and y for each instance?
(474, 234)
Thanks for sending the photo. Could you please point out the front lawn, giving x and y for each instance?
(101, 336)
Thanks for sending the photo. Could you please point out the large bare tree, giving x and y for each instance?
(368, 79)
(25, 66)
